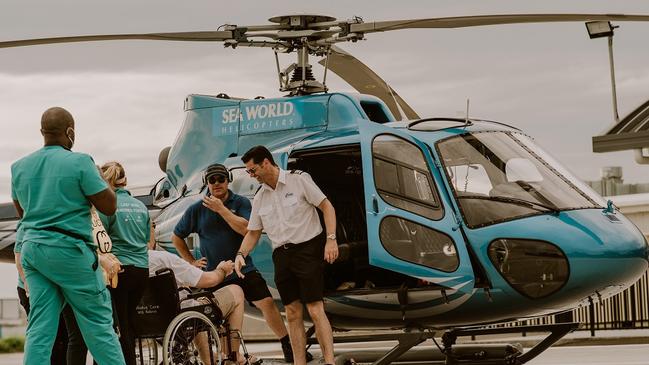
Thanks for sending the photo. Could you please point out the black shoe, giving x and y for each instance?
(288, 353)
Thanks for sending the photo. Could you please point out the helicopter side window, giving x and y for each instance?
(163, 193)
(402, 177)
(375, 112)
(418, 244)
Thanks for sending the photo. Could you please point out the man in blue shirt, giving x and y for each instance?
(53, 190)
(221, 221)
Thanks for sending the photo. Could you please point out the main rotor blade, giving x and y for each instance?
(205, 36)
(481, 20)
(366, 81)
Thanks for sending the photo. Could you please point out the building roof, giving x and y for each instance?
(631, 203)
(632, 132)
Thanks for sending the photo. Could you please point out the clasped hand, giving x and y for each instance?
(226, 266)
(239, 262)
(110, 264)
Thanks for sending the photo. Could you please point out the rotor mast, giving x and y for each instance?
(301, 32)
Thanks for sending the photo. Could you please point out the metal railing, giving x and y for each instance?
(626, 310)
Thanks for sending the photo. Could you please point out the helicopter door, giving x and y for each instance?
(410, 226)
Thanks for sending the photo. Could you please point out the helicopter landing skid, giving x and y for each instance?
(462, 354)
(452, 353)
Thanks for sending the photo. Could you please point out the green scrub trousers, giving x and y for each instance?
(52, 283)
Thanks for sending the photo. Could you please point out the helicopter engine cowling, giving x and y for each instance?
(162, 158)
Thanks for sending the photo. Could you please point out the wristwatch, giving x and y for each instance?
(331, 236)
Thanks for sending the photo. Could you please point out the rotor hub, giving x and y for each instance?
(300, 21)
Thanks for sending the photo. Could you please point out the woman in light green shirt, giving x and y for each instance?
(129, 230)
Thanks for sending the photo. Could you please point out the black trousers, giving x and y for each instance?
(130, 288)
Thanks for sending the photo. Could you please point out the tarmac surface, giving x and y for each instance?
(637, 354)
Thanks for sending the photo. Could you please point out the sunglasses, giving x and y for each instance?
(216, 179)
(252, 170)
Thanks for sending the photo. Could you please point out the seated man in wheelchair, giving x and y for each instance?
(229, 299)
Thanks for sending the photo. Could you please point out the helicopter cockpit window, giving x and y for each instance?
(402, 177)
(543, 155)
(243, 184)
(418, 244)
(469, 179)
(499, 176)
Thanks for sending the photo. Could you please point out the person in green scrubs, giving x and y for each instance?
(129, 230)
(53, 189)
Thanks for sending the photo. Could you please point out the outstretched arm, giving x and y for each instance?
(249, 242)
(215, 277)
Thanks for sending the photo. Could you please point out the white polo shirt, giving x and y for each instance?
(185, 273)
(288, 213)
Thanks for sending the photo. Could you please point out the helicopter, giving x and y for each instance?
(444, 224)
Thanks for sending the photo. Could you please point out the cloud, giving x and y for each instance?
(127, 97)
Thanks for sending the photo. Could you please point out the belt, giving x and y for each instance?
(64, 232)
(286, 246)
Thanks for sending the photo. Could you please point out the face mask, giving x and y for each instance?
(70, 135)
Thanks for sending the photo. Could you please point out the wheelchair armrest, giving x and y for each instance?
(199, 294)
(163, 270)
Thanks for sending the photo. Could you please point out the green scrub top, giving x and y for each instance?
(51, 186)
(129, 230)
(18, 246)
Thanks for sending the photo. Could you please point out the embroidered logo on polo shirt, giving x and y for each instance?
(288, 195)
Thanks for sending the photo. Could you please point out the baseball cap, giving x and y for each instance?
(216, 170)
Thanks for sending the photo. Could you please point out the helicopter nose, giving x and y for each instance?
(608, 254)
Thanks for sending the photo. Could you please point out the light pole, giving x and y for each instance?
(601, 29)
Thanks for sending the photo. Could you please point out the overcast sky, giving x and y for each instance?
(127, 96)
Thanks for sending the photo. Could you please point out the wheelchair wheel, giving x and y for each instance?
(146, 351)
(191, 338)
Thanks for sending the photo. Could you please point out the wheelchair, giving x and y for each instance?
(190, 330)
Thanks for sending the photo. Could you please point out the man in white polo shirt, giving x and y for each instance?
(285, 208)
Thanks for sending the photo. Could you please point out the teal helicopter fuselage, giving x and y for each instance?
(441, 222)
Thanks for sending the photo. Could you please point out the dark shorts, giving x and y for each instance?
(299, 270)
(253, 285)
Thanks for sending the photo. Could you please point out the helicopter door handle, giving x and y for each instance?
(375, 205)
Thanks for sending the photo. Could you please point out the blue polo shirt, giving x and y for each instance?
(218, 241)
